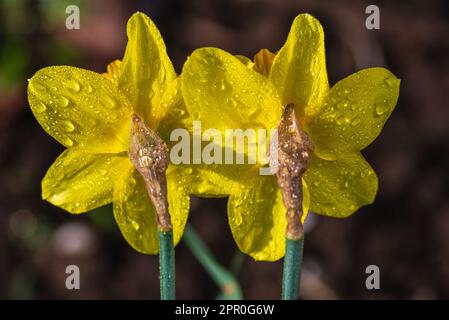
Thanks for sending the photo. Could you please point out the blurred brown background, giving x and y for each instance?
(405, 232)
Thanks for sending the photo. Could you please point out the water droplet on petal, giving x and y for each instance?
(238, 219)
(38, 86)
(67, 141)
(63, 101)
(390, 82)
(135, 225)
(73, 85)
(89, 88)
(110, 103)
(223, 85)
(355, 121)
(40, 107)
(67, 126)
(381, 107)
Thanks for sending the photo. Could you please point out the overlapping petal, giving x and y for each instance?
(339, 187)
(299, 68)
(354, 112)
(80, 108)
(223, 93)
(79, 182)
(146, 68)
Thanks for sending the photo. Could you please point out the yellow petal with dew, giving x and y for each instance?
(172, 113)
(299, 68)
(146, 68)
(245, 60)
(354, 112)
(339, 187)
(79, 182)
(257, 217)
(223, 93)
(135, 214)
(80, 108)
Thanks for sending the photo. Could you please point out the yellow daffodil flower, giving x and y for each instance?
(91, 114)
(224, 91)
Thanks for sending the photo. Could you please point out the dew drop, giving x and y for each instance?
(67, 141)
(390, 82)
(342, 105)
(63, 101)
(38, 86)
(238, 219)
(73, 85)
(355, 121)
(381, 107)
(67, 126)
(223, 85)
(110, 103)
(40, 107)
(135, 225)
(233, 102)
(89, 89)
(340, 120)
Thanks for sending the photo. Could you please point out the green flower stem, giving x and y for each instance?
(167, 265)
(292, 269)
(225, 280)
(236, 263)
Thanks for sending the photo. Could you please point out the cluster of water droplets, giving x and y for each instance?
(70, 108)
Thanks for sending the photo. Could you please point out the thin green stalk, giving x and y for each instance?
(292, 269)
(236, 263)
(225, 280)
(167, 265)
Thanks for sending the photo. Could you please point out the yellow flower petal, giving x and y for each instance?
(172, 112)
(257, 218)
(135, 213)
(79, 182)
(178, 198)
(354, 112)
(80, 107)
(218, 180)
(299, 68)
(339, 187)
(146, 68)
(223, 93)
(245, 60)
